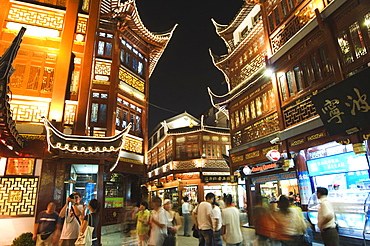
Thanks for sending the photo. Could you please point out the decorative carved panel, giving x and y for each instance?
(299, 112)
(131, 80)
(36, 17)
(29, 111)
(18, 196)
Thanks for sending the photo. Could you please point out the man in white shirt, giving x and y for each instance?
(186, 209)
(232, 234)
(203, 222)
(326, 219)
(216, 224)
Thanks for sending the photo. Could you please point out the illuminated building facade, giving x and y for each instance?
(186, 158)
(85, 67)
(318, 56)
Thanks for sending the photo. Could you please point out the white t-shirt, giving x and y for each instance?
(157, 233)
(186, 208)
(230, 219)
(71, 227)
(325, 210)
(216, 218)
(203, 212)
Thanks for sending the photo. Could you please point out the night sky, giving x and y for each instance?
(185, 70)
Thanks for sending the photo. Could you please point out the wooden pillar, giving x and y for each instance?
(333, 50)
(86, 69)
(46, 185)
(63, 65)
(100, 197)
(248, 182)
(112, 98)
(5, 5)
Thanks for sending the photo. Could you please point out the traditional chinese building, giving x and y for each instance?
(186, 158)
(318, 52)
(85, 67)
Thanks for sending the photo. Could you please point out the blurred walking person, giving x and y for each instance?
(173, 223)
(202, 219)
(290, 224)
(158, 223)
(47, 227)
(232, 234)
(216, 224)
(186, 210)
(263, 222)
(326, 219)
(142, 225)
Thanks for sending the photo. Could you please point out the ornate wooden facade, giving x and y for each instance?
(84, 66)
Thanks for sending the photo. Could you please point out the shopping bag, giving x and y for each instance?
(85, 238)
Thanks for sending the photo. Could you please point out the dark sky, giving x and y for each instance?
(185, 70)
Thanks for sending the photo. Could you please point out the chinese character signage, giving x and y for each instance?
(219, 179)
(345, 107)
(274, 177)
(20, 166)
(304, 185)
(337, 164)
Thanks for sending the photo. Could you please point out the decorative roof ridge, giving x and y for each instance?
(235, 92)
(213, 57)
(257, 27)
(70, 143)
(8, 125)
(244, 11)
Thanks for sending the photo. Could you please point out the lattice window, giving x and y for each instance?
(37, 17)
(29, 111)
(81, 25)
(102, 68)
(18, 196)
(47, 80)
(17, 77)
(69, 114)
(299, 112)
(34, 78)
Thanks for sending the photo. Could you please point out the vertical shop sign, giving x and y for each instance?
(345, 107)
(304, 185)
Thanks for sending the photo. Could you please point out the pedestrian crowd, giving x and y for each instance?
(69, 226)
(216, 220)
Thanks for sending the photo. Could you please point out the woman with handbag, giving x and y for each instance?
(91, 220)
(173, 224)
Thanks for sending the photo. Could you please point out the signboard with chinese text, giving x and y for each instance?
(274, 177)
(219, 178)
(304, 185)
(20, 166)
(345, 107)
(337, 164)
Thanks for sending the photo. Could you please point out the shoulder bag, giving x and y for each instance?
(85, 238)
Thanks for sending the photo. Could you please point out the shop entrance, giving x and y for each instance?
(274, 189)
(83, 179)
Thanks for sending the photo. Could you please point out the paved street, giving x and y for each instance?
(118, 239)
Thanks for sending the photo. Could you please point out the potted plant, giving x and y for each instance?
(25, 239)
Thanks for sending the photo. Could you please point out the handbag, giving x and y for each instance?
(195, 232)
(85, 238)
(45, 235)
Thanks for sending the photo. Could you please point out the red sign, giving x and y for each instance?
(273, 155)
(263, 167)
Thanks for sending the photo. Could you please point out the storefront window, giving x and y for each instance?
(345, 47)
(357, 39)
